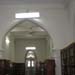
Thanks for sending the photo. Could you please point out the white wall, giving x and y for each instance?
(41, 49)
(74, 28)
(56, 55)
(9, 52)
(74, 31)
(72, 16)
(55, 21)
(6, 47)
(1, 54)
(12, 49)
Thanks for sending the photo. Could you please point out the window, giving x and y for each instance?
(28, 64)
(33, 63)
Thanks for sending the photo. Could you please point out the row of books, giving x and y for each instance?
(68, 60)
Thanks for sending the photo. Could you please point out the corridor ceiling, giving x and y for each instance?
(28, 30)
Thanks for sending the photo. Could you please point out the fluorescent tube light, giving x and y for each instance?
(27, 15)
(30, 48)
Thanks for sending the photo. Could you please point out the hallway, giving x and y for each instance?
(46, 28)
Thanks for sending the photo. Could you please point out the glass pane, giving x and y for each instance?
(33, 64)
(28, 64)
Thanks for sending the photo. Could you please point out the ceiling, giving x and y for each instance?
(28, 29)
(31, 1)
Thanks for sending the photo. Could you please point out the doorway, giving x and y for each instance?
(30, 63)
(23, 35)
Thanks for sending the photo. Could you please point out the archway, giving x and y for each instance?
(14, 24)
(32, 21)
(35, 30)
(30, 62)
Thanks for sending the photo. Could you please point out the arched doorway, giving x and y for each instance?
(30, 62)
(27, 33)
(31, 31)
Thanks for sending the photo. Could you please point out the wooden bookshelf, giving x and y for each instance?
(4, 67)
(68, 60)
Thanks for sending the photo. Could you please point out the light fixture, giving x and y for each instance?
(30, 48)
(27, 15)
(7, 40)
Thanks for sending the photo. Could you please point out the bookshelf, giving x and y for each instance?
(68, 60)
(4, 67)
